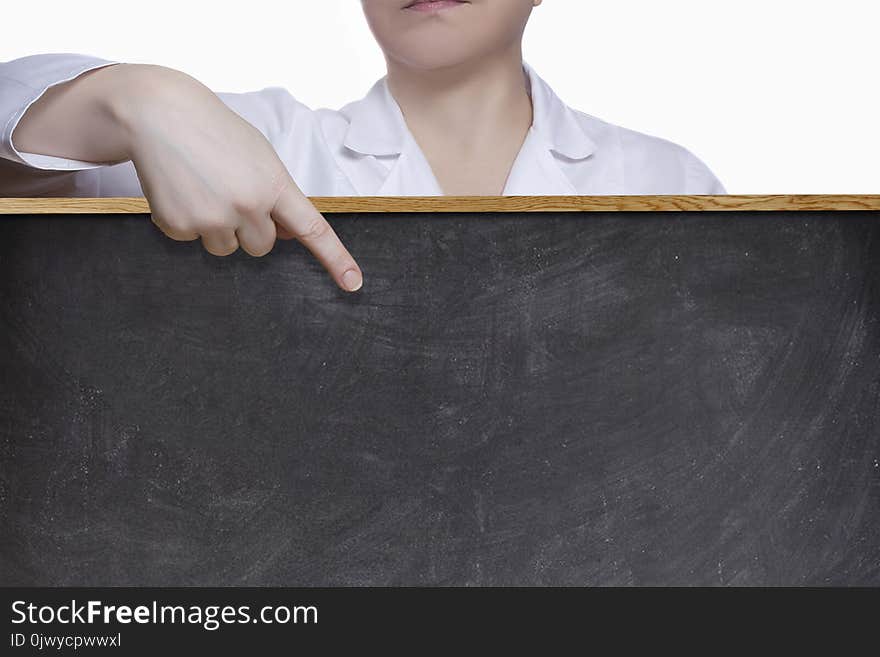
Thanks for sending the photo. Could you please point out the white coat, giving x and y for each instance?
(364, 148)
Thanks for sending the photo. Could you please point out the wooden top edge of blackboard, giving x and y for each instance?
(391, 204)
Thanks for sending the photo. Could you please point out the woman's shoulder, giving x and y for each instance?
(651, 164)
(283, 118)
(272, 110)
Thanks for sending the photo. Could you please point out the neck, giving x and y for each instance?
(468, 104)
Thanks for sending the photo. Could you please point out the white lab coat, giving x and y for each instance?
(365, 148)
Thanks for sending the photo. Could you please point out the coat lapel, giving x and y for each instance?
(386, 160)
(535, 172)
(410, 175)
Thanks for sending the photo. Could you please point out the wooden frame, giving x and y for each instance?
(356, 204)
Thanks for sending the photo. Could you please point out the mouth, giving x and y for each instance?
(434, 6)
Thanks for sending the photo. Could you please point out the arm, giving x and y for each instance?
(81, 119)
(23, 84)
(206, 172)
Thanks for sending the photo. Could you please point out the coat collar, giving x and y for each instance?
(555, 122)
(376, 124)
(377, 127)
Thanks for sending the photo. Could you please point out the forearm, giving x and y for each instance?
(94, 117)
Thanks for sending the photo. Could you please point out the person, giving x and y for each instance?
(458, 112)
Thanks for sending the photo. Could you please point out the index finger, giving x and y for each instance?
(296, 213)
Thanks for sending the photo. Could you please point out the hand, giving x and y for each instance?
(207, 173)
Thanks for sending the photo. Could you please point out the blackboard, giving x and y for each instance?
(655, 398)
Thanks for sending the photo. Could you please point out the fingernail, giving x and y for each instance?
(352, 280)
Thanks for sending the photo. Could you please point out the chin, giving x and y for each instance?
(435, 52)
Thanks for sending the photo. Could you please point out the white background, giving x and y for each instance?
(776, 96)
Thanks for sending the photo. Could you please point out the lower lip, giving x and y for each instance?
(435, 6)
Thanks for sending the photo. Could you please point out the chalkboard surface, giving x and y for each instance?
(566, 399)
